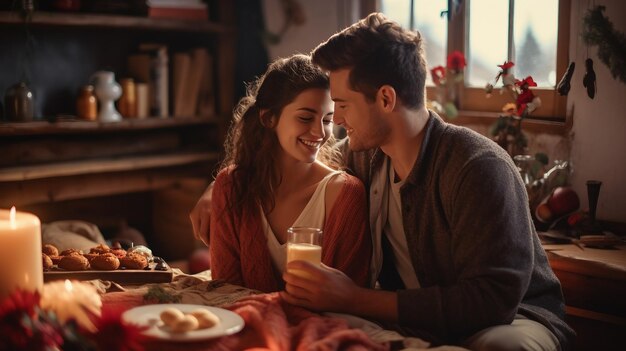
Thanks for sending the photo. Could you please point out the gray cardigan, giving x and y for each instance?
(470, 236)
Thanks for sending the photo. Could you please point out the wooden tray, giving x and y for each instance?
(120, 276)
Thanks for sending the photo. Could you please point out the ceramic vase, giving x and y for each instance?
(107, 91)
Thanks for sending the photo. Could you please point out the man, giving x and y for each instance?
(455, 250)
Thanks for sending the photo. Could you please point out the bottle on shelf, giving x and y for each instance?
(86, 104)
(127, 104)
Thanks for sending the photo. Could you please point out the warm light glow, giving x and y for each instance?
(12, 218)
(68, 285)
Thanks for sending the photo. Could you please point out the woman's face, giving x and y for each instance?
(305, 124)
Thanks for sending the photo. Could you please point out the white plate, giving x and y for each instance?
(149, 315)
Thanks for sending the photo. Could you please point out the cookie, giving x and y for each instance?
(90, 256)
(100, 249)
(46, 261)
(50, 250)
(206, 318)
(74, 262)
(105, 262)
(134, 260)
(119, 252)
(70, 251)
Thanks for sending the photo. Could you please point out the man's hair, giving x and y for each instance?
(378, 51)
(251, 146)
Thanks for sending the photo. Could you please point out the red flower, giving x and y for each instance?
(438, 74)
(506, 65)
(21, 327)
(456, 61)
(20, 301)
(528, 81)
(114, 334)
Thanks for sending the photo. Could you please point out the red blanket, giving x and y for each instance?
(272, 324)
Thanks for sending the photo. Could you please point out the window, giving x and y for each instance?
(532, 33)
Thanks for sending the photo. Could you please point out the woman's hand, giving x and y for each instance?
(200, 216)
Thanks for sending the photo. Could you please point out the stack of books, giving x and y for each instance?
(193, 92)
(150, 65)
(189, 93)
(178, 9)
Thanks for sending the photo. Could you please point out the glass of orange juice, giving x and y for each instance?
(304, 244)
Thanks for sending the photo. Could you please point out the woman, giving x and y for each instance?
(277, 174)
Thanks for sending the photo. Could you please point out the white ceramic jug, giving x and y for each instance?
(107, 91)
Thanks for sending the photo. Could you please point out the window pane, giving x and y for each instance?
(535, 35)
(488, 40)
(397, 10)
(428, 20)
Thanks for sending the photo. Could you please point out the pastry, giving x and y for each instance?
(100, 249)
(50, 250)
(105, 262)
(171, 316)
(46, 260)
(134, 260)
(74, 262)
(90, 256)
(70, 251)
(56, 259)
(206, 319)
(187, 323)
(119, 252)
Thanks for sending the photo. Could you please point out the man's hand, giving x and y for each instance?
(329, 290)
(325, 289)
(200, 216)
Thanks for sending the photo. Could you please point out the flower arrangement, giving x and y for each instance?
(507, 131)
(447, 81)
(30, 321)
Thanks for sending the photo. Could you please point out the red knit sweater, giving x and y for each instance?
(238, 246)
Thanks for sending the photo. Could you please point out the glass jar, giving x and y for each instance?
(86, 104)
(127, 104)
(19, 103)
(529, 170)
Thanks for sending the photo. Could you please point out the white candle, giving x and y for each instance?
(20, 252)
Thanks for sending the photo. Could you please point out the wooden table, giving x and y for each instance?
(594, 287)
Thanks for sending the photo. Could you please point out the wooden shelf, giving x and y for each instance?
(114, 21)
(78, 126)
(92, 166)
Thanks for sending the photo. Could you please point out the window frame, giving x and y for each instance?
(473, 100)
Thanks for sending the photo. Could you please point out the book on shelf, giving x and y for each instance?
(193, 83)
(178, 9)
(206, 95)
(150, 65)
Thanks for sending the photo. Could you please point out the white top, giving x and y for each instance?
(394, 229)
(312, 216)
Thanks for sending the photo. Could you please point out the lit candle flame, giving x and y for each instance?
(12, 222)
(68, 285)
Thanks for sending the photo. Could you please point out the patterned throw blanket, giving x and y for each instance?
(271, 324)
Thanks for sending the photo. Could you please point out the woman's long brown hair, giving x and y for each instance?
(251, 145)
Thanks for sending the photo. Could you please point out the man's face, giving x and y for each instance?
(364, 124)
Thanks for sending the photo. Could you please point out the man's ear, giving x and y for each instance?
(386, 98)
